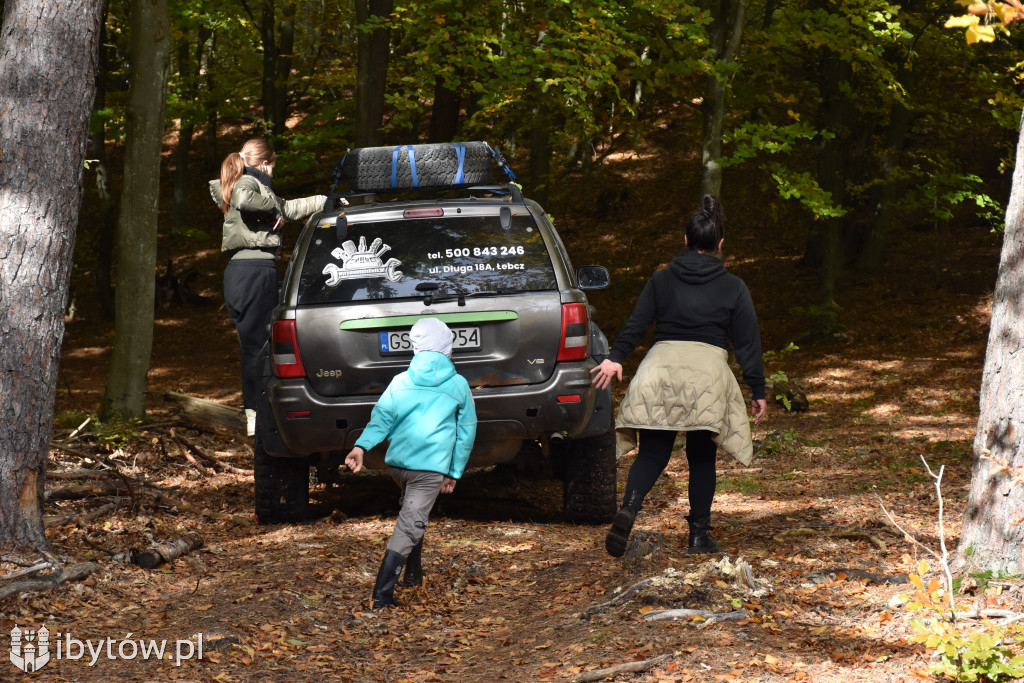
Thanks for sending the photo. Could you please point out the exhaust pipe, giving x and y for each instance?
(556, 438)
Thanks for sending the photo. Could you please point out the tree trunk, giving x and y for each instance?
(992, 538)
(827, 240)
(444, 116)
(136, 226)
(48, 56)
(107, 207)
(283, 69)
(726, 34)
(188, 73)
(541, 150)
(371, 73)
(208, 64)
(267, 37)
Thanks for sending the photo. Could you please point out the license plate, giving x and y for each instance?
(463, 338)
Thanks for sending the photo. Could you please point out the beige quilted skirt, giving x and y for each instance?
(686, 386)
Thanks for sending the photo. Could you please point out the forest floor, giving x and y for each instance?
(512, 592)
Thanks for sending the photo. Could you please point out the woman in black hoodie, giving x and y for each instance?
(684, 383)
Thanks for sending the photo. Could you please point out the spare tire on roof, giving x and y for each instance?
(412, 167)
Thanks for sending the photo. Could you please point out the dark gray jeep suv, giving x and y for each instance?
(482, 258)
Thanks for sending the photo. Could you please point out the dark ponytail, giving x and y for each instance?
(706, 227)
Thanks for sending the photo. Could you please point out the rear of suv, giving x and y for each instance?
(480, 257)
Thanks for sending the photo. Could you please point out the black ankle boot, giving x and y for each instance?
(618, 535)
(414, 566)
(387, 577)
(700, 542)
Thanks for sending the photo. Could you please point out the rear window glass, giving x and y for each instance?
(458, 254)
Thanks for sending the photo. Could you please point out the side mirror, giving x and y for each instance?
(593, 277)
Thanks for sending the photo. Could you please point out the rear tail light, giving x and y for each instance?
(284, 350)
(575, 343)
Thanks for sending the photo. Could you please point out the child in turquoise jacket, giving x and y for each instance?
(428, 417)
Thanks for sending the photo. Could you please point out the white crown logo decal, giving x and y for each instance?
(361, 262)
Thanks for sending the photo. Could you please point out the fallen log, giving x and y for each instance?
(156, 556)
(205, 413)
(88, 490)
(669, 614)
(76, 573)
(624, 668)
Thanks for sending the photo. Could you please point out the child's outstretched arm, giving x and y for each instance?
(354, 459)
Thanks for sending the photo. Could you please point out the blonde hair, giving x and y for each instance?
(254, 152)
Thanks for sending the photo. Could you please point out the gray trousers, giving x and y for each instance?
(419, 491)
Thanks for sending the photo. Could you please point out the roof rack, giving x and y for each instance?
(509, 190)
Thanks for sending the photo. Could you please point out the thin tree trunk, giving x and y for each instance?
(444, 116)
(103, 269)
(726, 35)
(188, 73)
(283, 69)
(992, 537)
(48, 58)
(372, 71)
(136, 227)
(827, 239)
(267, 24)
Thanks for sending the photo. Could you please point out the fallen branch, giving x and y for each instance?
(76, 573)
(671, 614)
(81, 519)
(26, 572)
(188, 456)
(80, 474)
(991, 613)
(619, 597)
(154, 557)
(217, 464)
(874, 540)
(627, 667)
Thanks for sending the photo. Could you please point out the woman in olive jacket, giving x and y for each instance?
(684, 383)
(253, 215)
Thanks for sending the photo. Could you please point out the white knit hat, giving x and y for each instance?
(430, 334)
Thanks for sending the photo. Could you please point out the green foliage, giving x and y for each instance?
(778, 376)
(942, 193)
(990, 652)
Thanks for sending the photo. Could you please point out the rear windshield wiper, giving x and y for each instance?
(462, 296)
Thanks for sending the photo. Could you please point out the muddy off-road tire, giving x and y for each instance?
(369, 169)
(590, 471)
(281, 486)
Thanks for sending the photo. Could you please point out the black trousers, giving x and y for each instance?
(655, 450)
(250, 292)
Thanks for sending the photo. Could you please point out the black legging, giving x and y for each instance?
(250, 292)
(652, 458)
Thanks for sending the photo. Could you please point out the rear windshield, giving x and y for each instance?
(447, 255)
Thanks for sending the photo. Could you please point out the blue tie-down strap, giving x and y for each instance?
(460, 156)
(337, 172)
(394, 166)
(500, 160)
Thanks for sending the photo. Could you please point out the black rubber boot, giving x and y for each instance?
(387, 577)
(618, 535)
(700, 542)
(414, 566)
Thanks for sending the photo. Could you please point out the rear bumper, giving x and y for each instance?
(309, 423)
